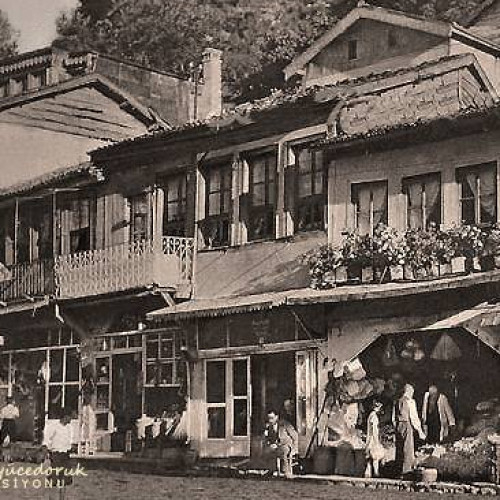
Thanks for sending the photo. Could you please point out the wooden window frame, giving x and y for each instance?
(219, 223)
(175, 227)
(145, 235)
(406, 181)
(355, 188)
(267, 210)
(460, 174)
(315, 202)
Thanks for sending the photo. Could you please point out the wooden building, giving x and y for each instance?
(179, 256)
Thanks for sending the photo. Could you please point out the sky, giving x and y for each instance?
(35, 19)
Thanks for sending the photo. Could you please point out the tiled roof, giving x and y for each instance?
(294, 96)
(52, 178)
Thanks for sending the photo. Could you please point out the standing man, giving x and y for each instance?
(57, 443)
(281, 438)
(406, 422)
(8, 414)
(437, 415)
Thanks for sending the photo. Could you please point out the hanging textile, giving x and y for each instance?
(446, 349)
(390, 355)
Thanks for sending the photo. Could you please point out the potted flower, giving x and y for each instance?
(357, 255)
(399, 259)
(490, 255)
(421, 252)
(384, 244)
(326, 267)
(444, 251)
(469, 243)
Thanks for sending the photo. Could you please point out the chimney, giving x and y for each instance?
(212, 84)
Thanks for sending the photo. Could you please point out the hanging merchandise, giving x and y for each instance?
(446, 349)
(390, 356)
(413, 351)
(354, 370)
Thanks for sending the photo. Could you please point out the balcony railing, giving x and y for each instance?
(168, 263)
(28, 280)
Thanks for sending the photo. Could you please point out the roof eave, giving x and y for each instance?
(438, 28)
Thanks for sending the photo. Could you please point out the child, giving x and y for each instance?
(374, 449)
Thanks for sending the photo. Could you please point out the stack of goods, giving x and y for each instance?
(470, 458)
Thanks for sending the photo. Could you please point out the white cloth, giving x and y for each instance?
(9, 411)
(57, 437)
(141, 424)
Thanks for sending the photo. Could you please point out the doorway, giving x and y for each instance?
(285, 382)
(126, 395)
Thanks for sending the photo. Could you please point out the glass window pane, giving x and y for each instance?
(102, 396)
(305, 161)
(56, 365)
(318, 182)
(71, 399)
(120, 342)
(102, 369)
(305, 185)
(72, 366)
(167, 348)
(216, 382)
(152, 348)
(259, 195)
(167, 373)
(215, 181)
(240, 377)
(55, 399)
(216, 423)
(258, 171)
(468, 211)
(152, 374)
(102, 421)
(214, 207)
(240, 422)
(135, 341)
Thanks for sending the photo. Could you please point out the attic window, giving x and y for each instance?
(352, 50)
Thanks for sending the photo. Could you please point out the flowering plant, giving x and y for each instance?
(467, 240)
(321, 261)
(357, 249)
(388, 247)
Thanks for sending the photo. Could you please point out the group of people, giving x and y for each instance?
(433, 426)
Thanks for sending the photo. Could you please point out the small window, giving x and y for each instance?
(478, 194)
(310, 190)
(370, 205)
(39, 79)
(262, 196)
(140, 217)
(352, 50)
(175, 205)
(216, 225)
(423, 200)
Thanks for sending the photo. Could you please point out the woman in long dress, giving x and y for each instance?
(374, 448)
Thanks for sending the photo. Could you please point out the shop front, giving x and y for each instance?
(247, 365)
(373, 359)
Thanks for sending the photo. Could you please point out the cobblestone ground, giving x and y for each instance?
(105, 485)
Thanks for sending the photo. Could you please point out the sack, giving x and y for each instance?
(390, 356)
(354, 370)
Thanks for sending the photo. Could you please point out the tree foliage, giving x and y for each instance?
(8, 37)
(258, 37)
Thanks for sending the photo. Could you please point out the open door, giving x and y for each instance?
(306, 397)
(228, 402)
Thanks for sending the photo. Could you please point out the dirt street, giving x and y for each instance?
(105, 485)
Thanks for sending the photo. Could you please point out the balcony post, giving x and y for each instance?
(16, 230)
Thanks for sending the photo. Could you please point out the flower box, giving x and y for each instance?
(397, 273)
(458, 265)
(408, 274)
(445, 269)
(366, 275)
(341, 274)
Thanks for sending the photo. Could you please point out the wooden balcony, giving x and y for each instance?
(28, 281)
(167, 264)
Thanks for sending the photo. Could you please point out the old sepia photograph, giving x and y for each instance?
(249, 249)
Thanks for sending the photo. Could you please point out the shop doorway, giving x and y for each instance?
(126, 395)
(287, 383)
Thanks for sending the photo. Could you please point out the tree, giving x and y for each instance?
(8, 37)
(258, 37)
